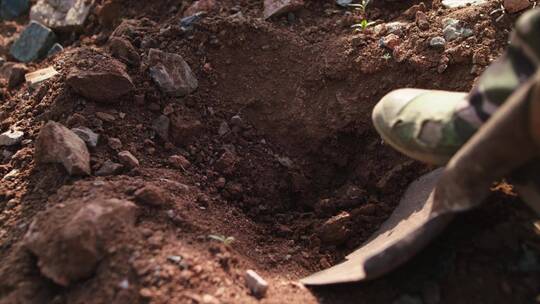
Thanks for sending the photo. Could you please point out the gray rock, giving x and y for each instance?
(171, 73)
(57, 144)
(88, 136)
(451, 33)
(61, 14)
(343, 3)
(33, 43)
(224, 129)
(461, 3)
(55, 49)
(186, 23)
(161, 126)
(11, 9)
(437, 42)
(109, 168)
(11, 137)
(396, 27)
(256, 284)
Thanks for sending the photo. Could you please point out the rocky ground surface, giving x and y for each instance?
(218, 151)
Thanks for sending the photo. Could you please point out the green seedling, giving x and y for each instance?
(362, 8)
(364, 24)
(387, 56)
(226, 240)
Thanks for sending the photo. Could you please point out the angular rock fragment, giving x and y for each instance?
(274, 8)
(13, 73)
(68, 239)
(514, 6)
(122, 49)
(105, 81)
(88, 136)
(37, 77)
(161, 126)
(183, 131)
(151, 195)
(200, 6)
(256, 284)
(33, 43)
(171, 73)
(335, 231)
(55, 49)
(57, 144)
(61, 14)
(179, 161)
(128, 159)
(11, 9)
(109, 168)
(11, 137)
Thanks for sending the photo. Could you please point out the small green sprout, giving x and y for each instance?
(387, 56)
(226, 240)
(364, 22)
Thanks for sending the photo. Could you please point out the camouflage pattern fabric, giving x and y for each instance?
(520, 62)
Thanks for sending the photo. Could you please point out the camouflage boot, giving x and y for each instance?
(431, 126)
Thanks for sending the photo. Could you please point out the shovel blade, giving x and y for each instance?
(410, 227)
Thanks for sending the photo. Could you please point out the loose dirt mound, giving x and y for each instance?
(275, 148)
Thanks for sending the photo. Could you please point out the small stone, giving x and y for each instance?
(390, 41)
(237, 121)
(461, 3)
(275, 8)
(103, 82)
(343, 3)
(151, 195)
(200, 6)
(171, 73)
(88, 136)
(450, 33)
(178, 161)
(183, 131)
(396, 27)
(115, 143)
(422, 21)
(122, 49)
(109, 168)
(11, 137)
(224, 129)
(65, 15)
(33, 43)
(13, 73)
(57, 144)
(2, 61)
(161, 126)
(256, 284)
(67, 238)
(186, 23)
(11, 175)
(437, 42)
(55, 49)
(335, 231)
(514, 6)
(128, 159)
(106, 117)
(35, 78)
(11, 9)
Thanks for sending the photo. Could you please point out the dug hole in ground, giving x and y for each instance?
(167, 158)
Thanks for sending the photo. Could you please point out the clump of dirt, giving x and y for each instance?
(275, 148)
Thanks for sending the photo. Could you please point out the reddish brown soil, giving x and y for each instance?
(305, 90)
